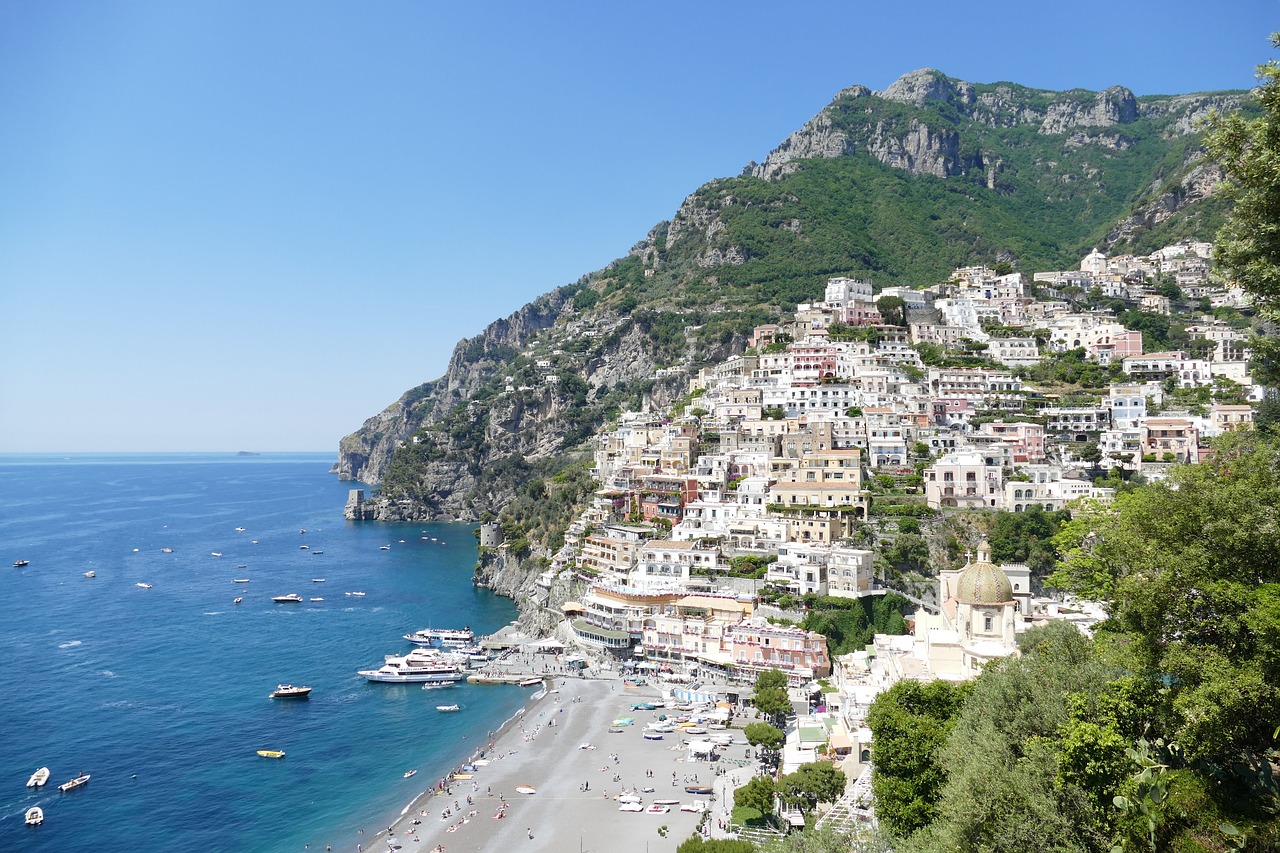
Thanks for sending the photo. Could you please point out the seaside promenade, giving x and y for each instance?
(561, 745)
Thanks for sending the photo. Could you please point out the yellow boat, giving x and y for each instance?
(271, 753)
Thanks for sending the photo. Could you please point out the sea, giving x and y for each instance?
(160, 693)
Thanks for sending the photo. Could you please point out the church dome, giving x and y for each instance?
(983, 582)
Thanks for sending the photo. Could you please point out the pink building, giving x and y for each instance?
(756, 646)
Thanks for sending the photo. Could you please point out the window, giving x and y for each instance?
(986, 623)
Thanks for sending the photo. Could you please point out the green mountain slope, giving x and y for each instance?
(901, 186)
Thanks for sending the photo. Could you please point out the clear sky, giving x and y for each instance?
(251, 225)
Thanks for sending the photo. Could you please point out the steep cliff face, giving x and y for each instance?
(902, 185)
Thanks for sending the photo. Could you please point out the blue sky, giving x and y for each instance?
(251, 225)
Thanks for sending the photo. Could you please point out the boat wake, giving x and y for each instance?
(106, 673)
(213, 613)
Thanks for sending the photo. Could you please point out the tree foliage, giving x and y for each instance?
(910, 723)
(764, 735)
(813, 783)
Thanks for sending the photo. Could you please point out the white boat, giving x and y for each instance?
(449, 708)
(166, 550)
(629, 798)
(216, 554)
(240, 580)
(630, 807)
(38, 778)
(288, 691)
(317, 580)
(239, 530)
(418, 667)
(291, 598)
(17, 564)
(529, 682)
(35, 816)
(74, 783)
(143, 585)
(410, 773)
(304, 547)
(237, 600)
(384, 547)
(91, 574)
(356, 594)
(526, 789)
(438, 685)
(442, 637)
(315, 599)
(697, 807)
(658, 809)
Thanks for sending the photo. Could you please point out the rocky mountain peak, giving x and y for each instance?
(927, 84)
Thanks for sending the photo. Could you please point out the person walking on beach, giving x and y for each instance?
(530, 831)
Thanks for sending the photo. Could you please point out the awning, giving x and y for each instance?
(572, 606)
(840, 740)
(548, 643)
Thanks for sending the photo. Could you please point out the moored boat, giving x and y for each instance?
(419, 666)
(291, 598)
(410, 773)
(38, 778)
(448, 708)
(74, 783)
(271, 753)
(658, 808)
(442, 637)
(526, 789)
(34, 816)
(288, 691)
(91, 574)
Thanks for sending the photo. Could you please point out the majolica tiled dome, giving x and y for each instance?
(982, 581)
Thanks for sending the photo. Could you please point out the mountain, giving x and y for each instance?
(899, 186)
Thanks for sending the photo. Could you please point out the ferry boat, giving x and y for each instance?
(74, 783)
(38, 778)
(288, 691)
(34, 816)
(421, 666)
(443, 637)
(291, 598)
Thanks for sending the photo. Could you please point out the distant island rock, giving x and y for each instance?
(247, 453)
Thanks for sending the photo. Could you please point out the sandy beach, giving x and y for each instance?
(574, 807)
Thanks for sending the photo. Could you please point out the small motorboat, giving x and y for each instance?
(271, 753)
(530, 682)
(304, 547)
(143, 585)
(237, 600)
(447, 708)
(35, 816)
(317, 580)
(215, 554)
(91, 574)
(526, 789)
(439, 685)
(384, 547)
(17, 564)
(658, 808)
(409, 773)
(315, 599)
(317, 552)
(166, 550)
(239, 530)
(240, 580)
(653, 735)
(74, 783)
(356, 594)
(613, 730)
(697, 807)
(288, 691)
(38, 778)
(697, 789)
(631, 807)
(629, 798)
(291, 598)
(667, 802)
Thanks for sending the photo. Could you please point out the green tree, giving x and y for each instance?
(910, 723)
(813, 783)
(715, 845)
(764, 735)
(892, 310)
(770, 695)
(756, 794)
(1191, 568)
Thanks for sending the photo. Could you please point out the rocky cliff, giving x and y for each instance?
(900, 185)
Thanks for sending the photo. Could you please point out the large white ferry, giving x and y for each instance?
(442, 637)
(419, 666)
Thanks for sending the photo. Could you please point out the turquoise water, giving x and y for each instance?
(161, 694)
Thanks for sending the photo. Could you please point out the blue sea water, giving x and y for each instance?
(161, 694)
